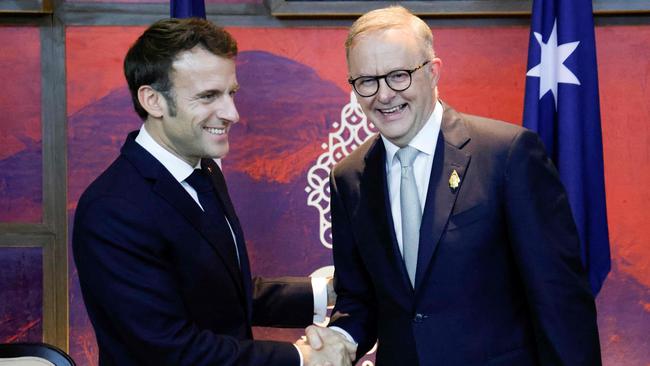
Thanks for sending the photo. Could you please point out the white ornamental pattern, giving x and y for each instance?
(351, 132)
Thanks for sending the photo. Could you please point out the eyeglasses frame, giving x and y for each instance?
(379, 77)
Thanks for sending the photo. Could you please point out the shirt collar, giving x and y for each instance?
(178, 168)
(424, 141)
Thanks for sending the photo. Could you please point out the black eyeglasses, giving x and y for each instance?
(398, 80)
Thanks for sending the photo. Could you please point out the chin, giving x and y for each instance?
(220, 155)
(394, 132)
(220, 151)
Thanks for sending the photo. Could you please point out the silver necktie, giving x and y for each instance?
(411, 211)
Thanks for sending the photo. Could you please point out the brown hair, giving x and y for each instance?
(149, 60)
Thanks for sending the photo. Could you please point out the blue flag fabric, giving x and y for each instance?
(187, 9)
(562, 106)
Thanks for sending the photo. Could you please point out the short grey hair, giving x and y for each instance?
(386, 18)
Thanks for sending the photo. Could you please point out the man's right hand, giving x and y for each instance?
(325, 347)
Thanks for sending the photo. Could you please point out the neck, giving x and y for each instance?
(153, 129)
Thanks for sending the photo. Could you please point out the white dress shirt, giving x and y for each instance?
(181, 170)
(425, 142)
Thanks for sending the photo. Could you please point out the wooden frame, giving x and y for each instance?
(51, 234)
(439, 8)
(26, 6)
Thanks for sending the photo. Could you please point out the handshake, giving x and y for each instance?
(326, 347)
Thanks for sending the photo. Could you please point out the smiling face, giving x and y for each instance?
(399, 116)
(203, 87)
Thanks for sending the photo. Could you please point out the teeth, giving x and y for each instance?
(392, 110)
(215, 131)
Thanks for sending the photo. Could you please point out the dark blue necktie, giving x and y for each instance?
(200, 181)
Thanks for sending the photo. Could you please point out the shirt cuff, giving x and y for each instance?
(319, 287)
(344, 333)
(299, 354)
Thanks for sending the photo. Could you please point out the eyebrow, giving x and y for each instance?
(401, 68)
(208, 91)
(215, 91)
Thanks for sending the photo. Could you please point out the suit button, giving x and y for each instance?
(419, 318)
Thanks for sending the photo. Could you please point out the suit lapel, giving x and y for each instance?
(380, 224)
(219, 183)
(166, 186)
(440, 196)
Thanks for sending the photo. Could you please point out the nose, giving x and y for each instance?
(228, 110)
(385, 94)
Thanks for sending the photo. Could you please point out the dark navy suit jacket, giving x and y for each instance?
(158, 283)
(499, 279)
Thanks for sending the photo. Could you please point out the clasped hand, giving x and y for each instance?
(326, 347)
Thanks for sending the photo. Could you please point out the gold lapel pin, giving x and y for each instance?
(454, 180)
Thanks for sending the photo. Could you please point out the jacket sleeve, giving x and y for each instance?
(133, 297)
(286, 302)
(546, 248)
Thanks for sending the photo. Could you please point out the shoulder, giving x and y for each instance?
(121, 181)
(490, 130)
(482, 134)
(355, 163)
(116, 211)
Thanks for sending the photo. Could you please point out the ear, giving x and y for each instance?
(434, 66)
(152, 101)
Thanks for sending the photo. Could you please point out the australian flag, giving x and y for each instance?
(187, 9)
(562, 105)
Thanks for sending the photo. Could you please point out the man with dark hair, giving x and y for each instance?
(159, 250)
(453, 239)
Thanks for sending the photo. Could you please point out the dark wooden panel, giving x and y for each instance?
(143, 13)
(439, 8)
(26, 6)
(55, 266)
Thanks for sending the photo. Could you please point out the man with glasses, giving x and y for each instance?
(454, 243)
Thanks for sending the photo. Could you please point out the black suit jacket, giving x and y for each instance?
(158, 284)
(499, 279)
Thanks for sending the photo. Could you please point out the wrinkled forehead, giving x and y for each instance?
(411, 25)
(384, 50)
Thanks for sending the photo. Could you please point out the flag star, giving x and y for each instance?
(551, 69)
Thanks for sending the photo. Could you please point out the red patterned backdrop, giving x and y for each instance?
(293, 89)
